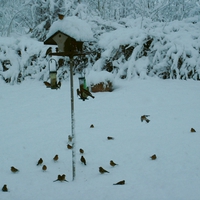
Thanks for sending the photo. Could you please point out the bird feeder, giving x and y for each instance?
(68, 35)
(82, 83)
(67, 46)
(53, 73)
(82, 88)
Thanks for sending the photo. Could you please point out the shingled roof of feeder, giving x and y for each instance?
(73, 27)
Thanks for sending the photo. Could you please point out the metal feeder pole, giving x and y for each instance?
(72, 119)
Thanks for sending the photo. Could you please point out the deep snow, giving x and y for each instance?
(35, 122)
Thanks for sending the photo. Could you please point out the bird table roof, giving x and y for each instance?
(72, 26)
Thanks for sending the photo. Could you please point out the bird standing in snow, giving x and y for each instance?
(59, 178)
(81, 151)
(44, 167)
(55, 157)
(40, 161)
(153, 157)
(112, 163)
(192, 130)
(144, 117)
(83, 160)
(63, 178)
(102, 170)
(120, 183)
(4, 188)
(69, 146)
(13, 169)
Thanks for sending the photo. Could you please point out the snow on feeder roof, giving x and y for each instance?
(73, 27)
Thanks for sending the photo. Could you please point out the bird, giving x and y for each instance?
(112, 163)
(69, 146)
(59, 178)
(63, 178)
(4, 188)
(120, 183)
(83, 160)
(144, 117)
(44, 167)
(110, 138)
(86, 92)
(13, 169)
(55, 157)
(48, 85)
(153, 157)
(40, 161)
(192, 130)
(81, 151)
(48, 51)
(91, 126)
(69, 138)
(102, 170)
(59, 84)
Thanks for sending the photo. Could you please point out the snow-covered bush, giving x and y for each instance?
(134, 48)
(20, 58)
(146, 48)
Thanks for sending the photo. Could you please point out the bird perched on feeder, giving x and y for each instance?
(102, 170)
(69, 146)
(13, 169)
(110, 138)
(120, 183)
(55, 157)
(144, 117)
(112, 163)
(4, 188)
(86, 92)
(83, 93)
(48, 51)
(192, 130)
(83, 160)
(59, 84)
(44, 167)
(81, 151)
(40, 161)
(48, 85)
(153, 157)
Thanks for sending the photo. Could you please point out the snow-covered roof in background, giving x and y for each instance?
(74, 27)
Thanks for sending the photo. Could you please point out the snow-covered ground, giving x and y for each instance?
(35, 123)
